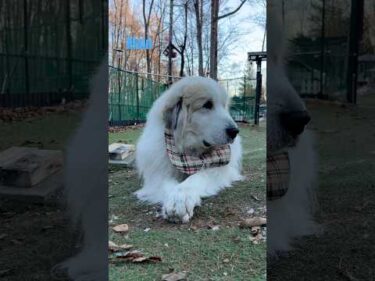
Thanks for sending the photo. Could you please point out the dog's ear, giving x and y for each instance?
(171, 115)
(176, 119)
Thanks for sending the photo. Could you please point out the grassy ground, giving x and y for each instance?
(346, 149)
(224, 254)
(34, 237)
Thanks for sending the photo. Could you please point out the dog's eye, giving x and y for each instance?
(208, 105)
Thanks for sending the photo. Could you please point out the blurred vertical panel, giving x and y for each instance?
(49, 53)
(328, 64)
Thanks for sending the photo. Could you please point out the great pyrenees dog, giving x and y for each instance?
(195, 110)
(291, 215)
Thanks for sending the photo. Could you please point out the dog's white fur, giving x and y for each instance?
(162, 182)
(292, 215)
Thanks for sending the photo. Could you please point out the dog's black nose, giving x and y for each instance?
(232, 132)
(295, 121)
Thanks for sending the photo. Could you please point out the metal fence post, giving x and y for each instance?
(137, 97)
(258, 91)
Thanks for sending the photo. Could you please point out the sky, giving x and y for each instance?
(250, 41)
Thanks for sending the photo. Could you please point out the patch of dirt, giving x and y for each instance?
(117, 129)
(34, 239)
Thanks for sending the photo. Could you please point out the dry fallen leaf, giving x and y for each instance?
(256, 221)
(193, 227)
(255, 230)
(121, 228)
(125, 246)
(129, 255)
(136, 257)
(113, 247)
(147, 259)
(255, 198)
(175, 276)
(257, 236)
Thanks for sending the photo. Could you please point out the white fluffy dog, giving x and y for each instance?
(196, 110)
(291, 215)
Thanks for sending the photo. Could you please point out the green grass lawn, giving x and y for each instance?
(224, 254)
(345, 138)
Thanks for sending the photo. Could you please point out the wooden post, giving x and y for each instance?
(137, 97)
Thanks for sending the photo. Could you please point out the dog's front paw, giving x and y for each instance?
(179, 206)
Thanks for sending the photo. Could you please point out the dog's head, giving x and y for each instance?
(286, 113)
(197, 112)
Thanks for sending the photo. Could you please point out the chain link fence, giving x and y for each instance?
(131, 95)
(323, 36)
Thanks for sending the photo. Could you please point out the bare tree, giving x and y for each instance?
(214, 33)
(198, 7)
(146, 20)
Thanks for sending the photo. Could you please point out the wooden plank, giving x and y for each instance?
(46, 192)
(27, 166)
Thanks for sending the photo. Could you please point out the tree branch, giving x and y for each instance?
(233, 12)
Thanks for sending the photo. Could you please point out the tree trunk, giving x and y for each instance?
(170, 43)
(198, 15)
(183, 47)
(214, 38)
(147, 24)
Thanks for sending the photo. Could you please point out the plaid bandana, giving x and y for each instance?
(189, 164)
(277, 175)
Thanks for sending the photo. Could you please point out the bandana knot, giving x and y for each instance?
(278, 168)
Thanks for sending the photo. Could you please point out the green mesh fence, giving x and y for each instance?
(242, 92)
(43, 55)
(132, 95)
